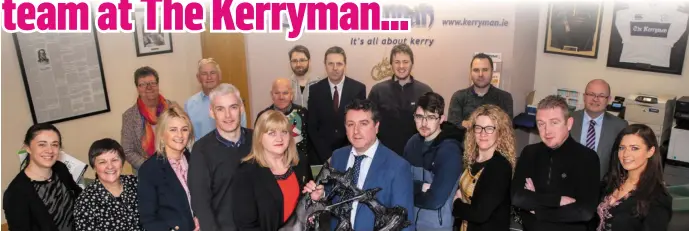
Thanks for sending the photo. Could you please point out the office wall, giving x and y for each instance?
(177, 82)
(558, 71)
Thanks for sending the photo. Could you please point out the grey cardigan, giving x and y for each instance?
(131, 133)
(302, 98)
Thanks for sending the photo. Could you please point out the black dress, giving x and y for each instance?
(620, 215)
(97, 209)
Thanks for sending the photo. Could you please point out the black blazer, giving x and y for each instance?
(258, 197)
(24, 210)
(163, 203)
(326, 127)
(490, 204)
(623, 218)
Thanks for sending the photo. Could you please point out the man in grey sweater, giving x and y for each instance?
(481, 92)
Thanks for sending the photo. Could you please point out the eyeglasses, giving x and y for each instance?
(594, 96)
(299, 60)
(487, 129)
(148, 84)
(421, 118)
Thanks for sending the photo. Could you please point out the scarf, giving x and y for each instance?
(148, 140)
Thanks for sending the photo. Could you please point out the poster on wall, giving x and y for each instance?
(149, 43)
(63, 75)
(649, 36)
(573, 28)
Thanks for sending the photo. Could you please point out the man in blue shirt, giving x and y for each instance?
(198, 105)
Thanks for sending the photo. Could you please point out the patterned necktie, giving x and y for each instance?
(336, 99)
(357, 168)
(591, 135)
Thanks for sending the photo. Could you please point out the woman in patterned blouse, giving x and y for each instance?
(634, 195)
(110, 203)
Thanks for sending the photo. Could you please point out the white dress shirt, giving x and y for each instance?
(363, 172)
(339, 90)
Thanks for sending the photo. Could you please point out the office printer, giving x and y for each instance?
(655, 111)
(679, 138)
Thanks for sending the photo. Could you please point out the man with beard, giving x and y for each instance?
(215, 158)
(593, 126)
(300, 60)
(208, 75)
(435, 155)
(396, 99)
(465, 101)
(282, 95)
(556, 181)
(327, 101)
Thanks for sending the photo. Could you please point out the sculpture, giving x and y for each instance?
(386, 219)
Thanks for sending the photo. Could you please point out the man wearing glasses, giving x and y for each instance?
(435, 155)
(300, 59)
(593, 126)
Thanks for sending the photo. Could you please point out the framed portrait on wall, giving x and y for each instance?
(573, 28)
(149, 43)
(649, 36)
(63, 75)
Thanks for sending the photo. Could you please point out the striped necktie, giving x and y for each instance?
(591, 135)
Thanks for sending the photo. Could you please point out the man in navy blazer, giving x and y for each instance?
(377, 165)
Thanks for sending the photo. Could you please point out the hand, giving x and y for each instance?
(466, 124)
(316, 191)
(458, 195)
(565, 200)
(196, 224)
(529, 185)
(425, 187)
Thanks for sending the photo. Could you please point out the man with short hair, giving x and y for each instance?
(556, 181)
(481, 92)
(593, 126)
(300, 60)
(208, 75)
(327, 100)
(374, 166)
(396, 98)
(281, 94)
(215, 158)
(435, 154)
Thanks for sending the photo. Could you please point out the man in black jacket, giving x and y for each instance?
(556, 182)
(215, 159)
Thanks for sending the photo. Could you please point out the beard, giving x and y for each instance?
(300, 72)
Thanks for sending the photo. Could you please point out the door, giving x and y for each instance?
(228, 50)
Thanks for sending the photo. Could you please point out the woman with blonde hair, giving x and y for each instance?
(164, 201)
(489, 160)
(269, 181)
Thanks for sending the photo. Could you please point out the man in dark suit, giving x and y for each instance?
(327, 100)
(374, 166)
(593, 126)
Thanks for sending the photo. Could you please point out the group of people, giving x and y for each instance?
(198, 167)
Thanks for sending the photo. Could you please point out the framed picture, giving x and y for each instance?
(573, 28)
(63, 75)
(649, 36)
(149, 43)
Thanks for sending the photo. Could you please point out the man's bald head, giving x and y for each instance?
(596, 97)
(281, 93)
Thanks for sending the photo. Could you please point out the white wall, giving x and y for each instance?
(558, 71)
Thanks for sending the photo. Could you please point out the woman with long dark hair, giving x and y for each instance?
(634, 195)
(41, 196)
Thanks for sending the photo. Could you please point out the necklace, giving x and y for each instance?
(49, 178)
(284, 176)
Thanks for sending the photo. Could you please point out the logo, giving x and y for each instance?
(638, 17)
(382, 70)
(421, 16)
(650, 29)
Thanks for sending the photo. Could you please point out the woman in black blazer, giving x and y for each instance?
(634, 195)
(482, 202)
(163, 192)
(269, 181)
(41, 197)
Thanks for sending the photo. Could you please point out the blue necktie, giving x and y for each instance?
(591, 135)
(357, 168)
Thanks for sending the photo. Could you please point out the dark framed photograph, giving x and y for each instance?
(63, 75)
(149, 43)
(573, 28)
(649, 36)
